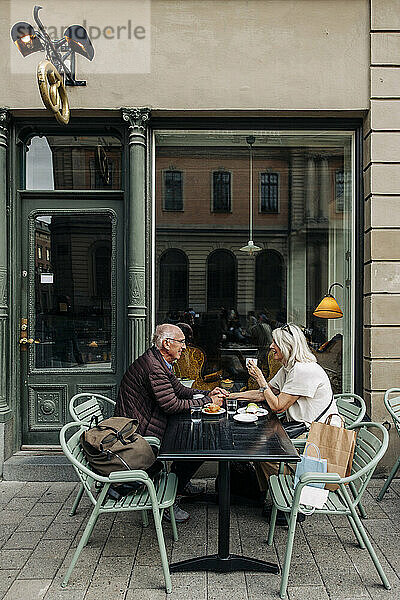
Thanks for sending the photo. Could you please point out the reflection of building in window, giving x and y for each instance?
(270, 296)
(269, 188)
(339, 190)
(173, 190)
(221, 280)
(221, 201)
(173, 286)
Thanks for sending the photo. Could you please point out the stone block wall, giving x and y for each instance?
(382, 215)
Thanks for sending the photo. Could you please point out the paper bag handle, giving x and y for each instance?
(308, 444)
(328, 419)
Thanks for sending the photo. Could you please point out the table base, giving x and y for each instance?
(215, 563)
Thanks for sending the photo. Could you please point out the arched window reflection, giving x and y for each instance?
(221, 280)
(270, 284)
(173, 288)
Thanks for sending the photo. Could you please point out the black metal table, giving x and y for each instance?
(224, 439)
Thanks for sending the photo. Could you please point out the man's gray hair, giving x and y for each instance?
(164, 332)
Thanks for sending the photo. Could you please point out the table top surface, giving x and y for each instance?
(223, 438)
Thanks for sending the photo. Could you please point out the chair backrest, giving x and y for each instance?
(83, 407)
(393, 406)
(73, 450)
(351, 407)
(369, 450)
(190, 363)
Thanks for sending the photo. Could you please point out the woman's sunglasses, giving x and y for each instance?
(287, 328)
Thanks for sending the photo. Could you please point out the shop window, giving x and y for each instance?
(306, 246)
(221, 200)
(221, 280)
(173, 190)
(269, 192)
(173, 283)
(73, 162)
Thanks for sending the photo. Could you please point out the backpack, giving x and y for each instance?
(114, 445)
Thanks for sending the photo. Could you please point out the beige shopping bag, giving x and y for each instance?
(336, 444)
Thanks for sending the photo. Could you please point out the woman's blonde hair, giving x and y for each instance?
(293, 345)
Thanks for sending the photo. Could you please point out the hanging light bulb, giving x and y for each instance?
(250, 247)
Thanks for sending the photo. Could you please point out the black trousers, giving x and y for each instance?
(184, 470)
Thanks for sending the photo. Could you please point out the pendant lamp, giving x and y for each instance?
(328, 308)
(250, 247)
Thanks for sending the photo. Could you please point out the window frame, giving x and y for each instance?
(278, 202)
(163, 188)
(222, 212)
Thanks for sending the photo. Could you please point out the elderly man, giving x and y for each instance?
(149, 392)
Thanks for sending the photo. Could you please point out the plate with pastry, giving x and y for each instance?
(213, 410)
(253, 409)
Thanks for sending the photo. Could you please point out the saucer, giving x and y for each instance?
(261, 412)
(245, 418)
(215, 414)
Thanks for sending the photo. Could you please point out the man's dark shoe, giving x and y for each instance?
(192, 491)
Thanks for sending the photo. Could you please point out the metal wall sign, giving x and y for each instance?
(58, 70)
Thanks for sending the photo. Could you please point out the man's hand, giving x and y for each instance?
(217, 395)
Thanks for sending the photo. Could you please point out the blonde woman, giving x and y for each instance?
(301, 388)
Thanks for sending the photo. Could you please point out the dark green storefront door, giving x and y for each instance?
(73, 300)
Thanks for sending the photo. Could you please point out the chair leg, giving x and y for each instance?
(272, 523)
(356, 533)
(361, 509)
(145, 518)
(83, 541)
(289, 549)
(173, 523)
(163, 551)
(76, 501)
(389, 479)
(365, 538)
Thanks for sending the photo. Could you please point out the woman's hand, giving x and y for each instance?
(255, 372)
(217, 395)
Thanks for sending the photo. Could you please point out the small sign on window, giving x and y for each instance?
(46, 277)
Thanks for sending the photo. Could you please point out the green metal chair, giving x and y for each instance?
(368, 452)
(82, 408)
(155, 496)
(351, 407)
(393, 406)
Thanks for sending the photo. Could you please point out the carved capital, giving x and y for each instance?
(138, 119)
(4, 121)
(136, 287)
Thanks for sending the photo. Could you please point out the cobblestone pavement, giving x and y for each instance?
(121, 561)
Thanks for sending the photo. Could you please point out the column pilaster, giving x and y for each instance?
(137, 120)
(4, 121)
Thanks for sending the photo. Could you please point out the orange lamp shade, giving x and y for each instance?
(328, 308)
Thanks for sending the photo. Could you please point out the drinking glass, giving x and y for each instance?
(231, 406)
(195, 414)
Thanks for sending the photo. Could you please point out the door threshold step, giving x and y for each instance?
(38, 466)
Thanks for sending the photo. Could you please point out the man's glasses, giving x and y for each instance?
(183, 342)
(287, 328)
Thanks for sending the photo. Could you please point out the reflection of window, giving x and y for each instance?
(269, 186)
(269, 288)
(173, 190)
(173, 288)
(47, 254)
(221, 280)
(339, 190)
(221, 191)
(39, 251)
